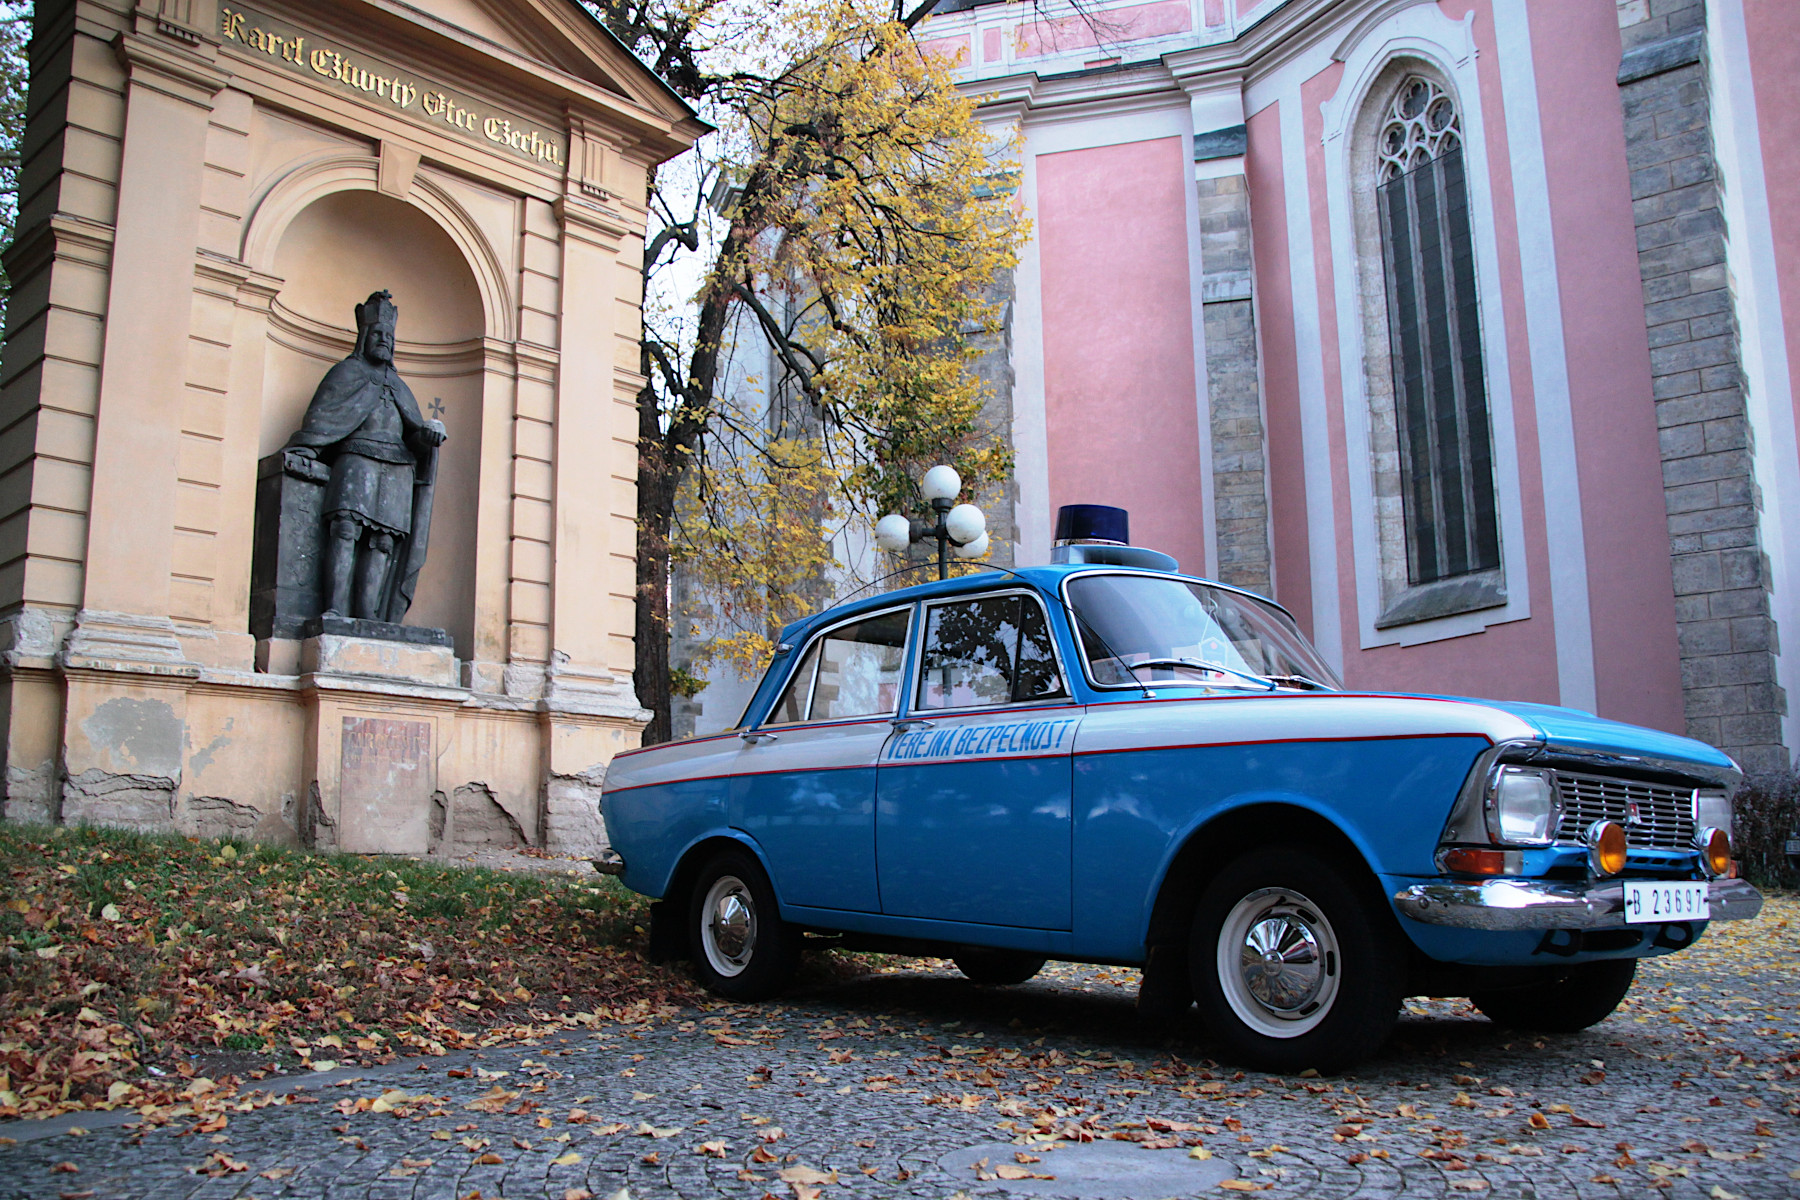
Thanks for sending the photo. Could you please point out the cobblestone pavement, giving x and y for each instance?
(912, 1082)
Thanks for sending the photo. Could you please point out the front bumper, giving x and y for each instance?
(1524, 904)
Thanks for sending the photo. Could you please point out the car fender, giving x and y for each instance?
(684, 862)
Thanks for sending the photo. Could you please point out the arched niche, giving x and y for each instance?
(333, 253)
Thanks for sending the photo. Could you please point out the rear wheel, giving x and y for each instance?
(1579, 996)
(741, 948)
(998, 967)
(1292, 966)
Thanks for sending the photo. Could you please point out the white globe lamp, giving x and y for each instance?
(941, 483)
(965, 523)
(974, 549)
(893, 533)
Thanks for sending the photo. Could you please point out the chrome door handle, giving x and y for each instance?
(753, 736)
(903, 724)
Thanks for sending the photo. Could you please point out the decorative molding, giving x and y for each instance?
(590, 691)
(399, 163)
(175, 73)
(125, 642)
(314, 178)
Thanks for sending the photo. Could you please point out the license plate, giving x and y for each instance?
(1650, 902)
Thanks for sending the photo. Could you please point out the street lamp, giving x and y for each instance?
(958, 525)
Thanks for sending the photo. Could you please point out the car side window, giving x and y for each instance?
(995, 650)
(793, 704)
(853, 671)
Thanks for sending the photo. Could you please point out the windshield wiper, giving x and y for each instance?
(1299, 681)
(1195, 664)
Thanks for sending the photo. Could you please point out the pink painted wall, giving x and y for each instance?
(1112, 25)
(953, 50)
(1120, 411)
(1280, 363)
(1631, 593)
(1773, 27)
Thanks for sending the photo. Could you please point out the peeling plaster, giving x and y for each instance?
(30, 794)
(139, 801)
(572, 822)
(202, 758)
(477, 818)
(136, 737)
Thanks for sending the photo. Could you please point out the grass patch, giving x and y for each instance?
(122, 950)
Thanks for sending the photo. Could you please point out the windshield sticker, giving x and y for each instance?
(977, 741)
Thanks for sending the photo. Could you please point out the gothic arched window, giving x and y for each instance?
(1434, 330)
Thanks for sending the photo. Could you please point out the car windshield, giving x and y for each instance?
(1141, 628)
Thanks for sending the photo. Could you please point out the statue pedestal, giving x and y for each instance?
(405, 653)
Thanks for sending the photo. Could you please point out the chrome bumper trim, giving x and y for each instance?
(608, 862)
(1507, 904)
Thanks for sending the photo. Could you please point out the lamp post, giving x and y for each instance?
(961, 526)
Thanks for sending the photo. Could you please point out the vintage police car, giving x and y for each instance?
(1103, 760)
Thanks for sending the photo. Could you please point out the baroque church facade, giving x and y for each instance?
(1460, 327)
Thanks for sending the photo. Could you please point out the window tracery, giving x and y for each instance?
(1422, 124)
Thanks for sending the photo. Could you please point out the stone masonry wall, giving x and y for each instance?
(1727, 635)
(1234, 398)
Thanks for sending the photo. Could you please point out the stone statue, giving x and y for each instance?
(364, 423)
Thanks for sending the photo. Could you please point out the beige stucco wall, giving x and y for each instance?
(202, 203)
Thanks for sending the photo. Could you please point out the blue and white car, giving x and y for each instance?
(1103, 760)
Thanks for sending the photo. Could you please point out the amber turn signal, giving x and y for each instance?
(1606, 847)
(1715, 851)
(1475, 860)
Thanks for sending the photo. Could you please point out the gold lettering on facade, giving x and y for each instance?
(240, 28)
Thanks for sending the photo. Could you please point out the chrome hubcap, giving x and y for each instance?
(729, 932)
(1281, 963)
(1278, 962)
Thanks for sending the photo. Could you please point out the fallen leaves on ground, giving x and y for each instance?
(127, 951)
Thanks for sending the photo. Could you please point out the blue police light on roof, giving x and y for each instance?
(1099, 533)
(1092, 523)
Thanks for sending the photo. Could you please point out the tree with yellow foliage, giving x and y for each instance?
(860, 213)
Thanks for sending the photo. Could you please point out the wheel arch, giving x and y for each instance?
(687, 867)
(1224, 837)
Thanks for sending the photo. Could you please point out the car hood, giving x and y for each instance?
(1573, 729)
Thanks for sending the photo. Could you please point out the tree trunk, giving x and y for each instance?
(656, 484)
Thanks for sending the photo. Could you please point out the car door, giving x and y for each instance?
(973, 793)
(806, 785)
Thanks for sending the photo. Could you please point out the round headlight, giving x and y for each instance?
(1525, 807)
(1715, 851)
(1606, 848)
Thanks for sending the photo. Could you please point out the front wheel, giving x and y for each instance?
(1292, 966)
(1582, 995)
(741, 947)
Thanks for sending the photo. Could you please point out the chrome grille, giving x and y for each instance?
(1665, 815)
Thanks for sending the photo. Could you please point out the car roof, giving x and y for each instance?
(1045, 577)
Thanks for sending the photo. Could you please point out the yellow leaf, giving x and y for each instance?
(565, 1160)
(110, 912)
(1200, 1152)
(801, 1173)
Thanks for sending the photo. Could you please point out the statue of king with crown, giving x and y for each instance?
(364, 423)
